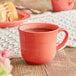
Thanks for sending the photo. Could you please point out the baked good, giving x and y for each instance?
(8, 12)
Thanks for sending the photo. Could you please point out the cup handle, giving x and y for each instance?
(71, 1)
(65, 39)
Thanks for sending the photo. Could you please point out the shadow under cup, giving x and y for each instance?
(38, 42)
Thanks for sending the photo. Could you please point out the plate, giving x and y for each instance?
(23, 16)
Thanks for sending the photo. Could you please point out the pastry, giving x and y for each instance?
(8, 12)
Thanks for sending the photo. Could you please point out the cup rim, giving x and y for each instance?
(19, 28)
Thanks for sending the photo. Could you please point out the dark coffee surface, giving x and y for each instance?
(38, 30)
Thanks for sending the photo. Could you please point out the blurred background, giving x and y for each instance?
(45, 4)
(36, 4)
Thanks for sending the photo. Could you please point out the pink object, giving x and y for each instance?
(40, 47)
(4, 59)
(23, 16)
(62, 5)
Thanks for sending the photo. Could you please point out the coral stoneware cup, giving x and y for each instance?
(39, 42)
(62, 5)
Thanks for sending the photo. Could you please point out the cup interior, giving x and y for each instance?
(38, 25)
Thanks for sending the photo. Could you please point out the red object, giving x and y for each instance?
(40, 47)
(62, 5)
(23, 16)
